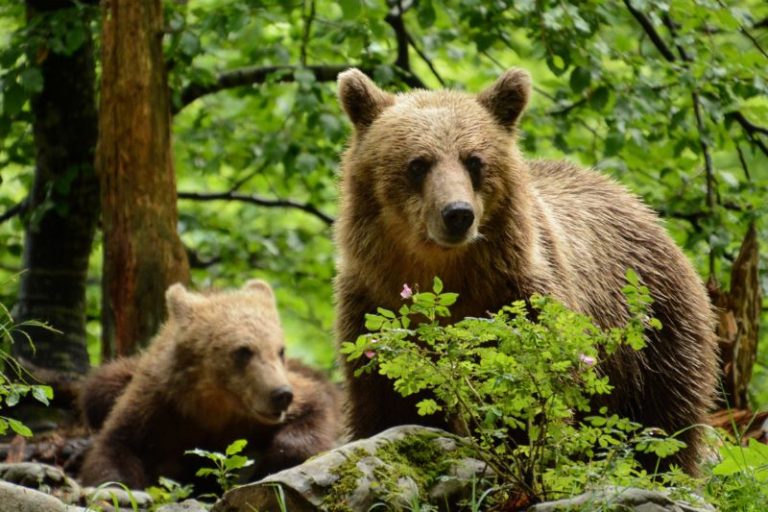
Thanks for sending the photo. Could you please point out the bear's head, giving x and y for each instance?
(229, 352)
(433, 165)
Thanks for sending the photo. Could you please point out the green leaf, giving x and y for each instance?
(350, 8)
(599, 98)
(236, 447)
(427, 406)
(437, 285)
(580, 79)
(426, 14)
(32, 80)
(19, 427)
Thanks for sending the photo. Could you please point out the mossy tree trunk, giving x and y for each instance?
(63, 206)
(143, 254)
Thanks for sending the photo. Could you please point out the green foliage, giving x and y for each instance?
(740, 480)
(225, 465)
(13, 386)
(168, 491)
(605, 96)
(522, 388)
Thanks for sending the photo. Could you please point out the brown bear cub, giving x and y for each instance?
(433, 184)
(216, 372)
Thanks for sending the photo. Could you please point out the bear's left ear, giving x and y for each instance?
(180, 302)
(261, 287)
(507, 97)
(361, 99)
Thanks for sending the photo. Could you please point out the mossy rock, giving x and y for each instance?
(399, 467)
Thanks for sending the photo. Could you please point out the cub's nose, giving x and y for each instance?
(281, 398)
(457, 218)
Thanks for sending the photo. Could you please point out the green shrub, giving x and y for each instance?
(13, 378)
(520, 384)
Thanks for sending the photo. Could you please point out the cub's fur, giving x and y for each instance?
(433, 183)
(214, 373)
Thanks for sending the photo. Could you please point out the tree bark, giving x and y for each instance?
(143, 254)
(62, 208)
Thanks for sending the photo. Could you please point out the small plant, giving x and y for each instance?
(226, 465)
(521, 389)
(740, 480)
(168, 491)
(13, 386)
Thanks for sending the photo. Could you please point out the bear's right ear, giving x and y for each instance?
(180, 302)
(361, 99)
(507, 97)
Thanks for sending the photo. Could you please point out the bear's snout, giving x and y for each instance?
(458, 217)
(281, 398)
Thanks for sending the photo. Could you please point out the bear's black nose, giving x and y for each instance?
(281, 398)
(458, 217)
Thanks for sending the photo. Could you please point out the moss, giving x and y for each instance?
(417, 458)
(336, 500)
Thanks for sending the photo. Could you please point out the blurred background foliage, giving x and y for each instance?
(670, 98)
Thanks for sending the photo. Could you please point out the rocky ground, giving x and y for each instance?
(396, 467)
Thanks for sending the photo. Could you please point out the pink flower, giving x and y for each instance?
(587, 360)
(407, 293)
(370, 353)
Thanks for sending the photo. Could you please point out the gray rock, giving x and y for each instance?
(183, 506)
(16, 498)
(627, 499)
(42, 477)
(363, 473)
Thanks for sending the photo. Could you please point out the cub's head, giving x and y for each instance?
(229, 352)
(433, 164)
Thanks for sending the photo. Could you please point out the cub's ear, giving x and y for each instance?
(361, 99)
(180, 302)
(507, 97)
(260, 287)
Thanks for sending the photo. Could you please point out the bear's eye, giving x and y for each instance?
(417, 170)
(475, 166)
(282, 354)
(242, 355)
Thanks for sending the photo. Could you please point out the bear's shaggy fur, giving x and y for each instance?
(523, 227)
(214, 373)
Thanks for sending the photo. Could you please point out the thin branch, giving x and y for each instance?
(257, 200)
(308, 19)
(13, 211)
(649, 29)
(257, 75)
(743, 162)
(426, 60)
(395, 20)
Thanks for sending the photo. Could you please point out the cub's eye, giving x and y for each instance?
(475, 166)
(242, 355)
(417, 170)
(282, 354)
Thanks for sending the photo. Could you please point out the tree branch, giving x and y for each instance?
(753, 131)
(395, 20)
(649, 29)
(257, 75)
(13, 211)
(257, 200)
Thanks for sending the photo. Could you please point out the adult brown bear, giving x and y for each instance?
(434, 184)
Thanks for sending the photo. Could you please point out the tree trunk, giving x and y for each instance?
(738, 325)
(143, 254)
(62, 207)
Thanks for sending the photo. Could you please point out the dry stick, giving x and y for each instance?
(257, 200)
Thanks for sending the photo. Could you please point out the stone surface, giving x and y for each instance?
(355, 476)
(629, 499)
(184, 506)
(42, 477)
(15, 498)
